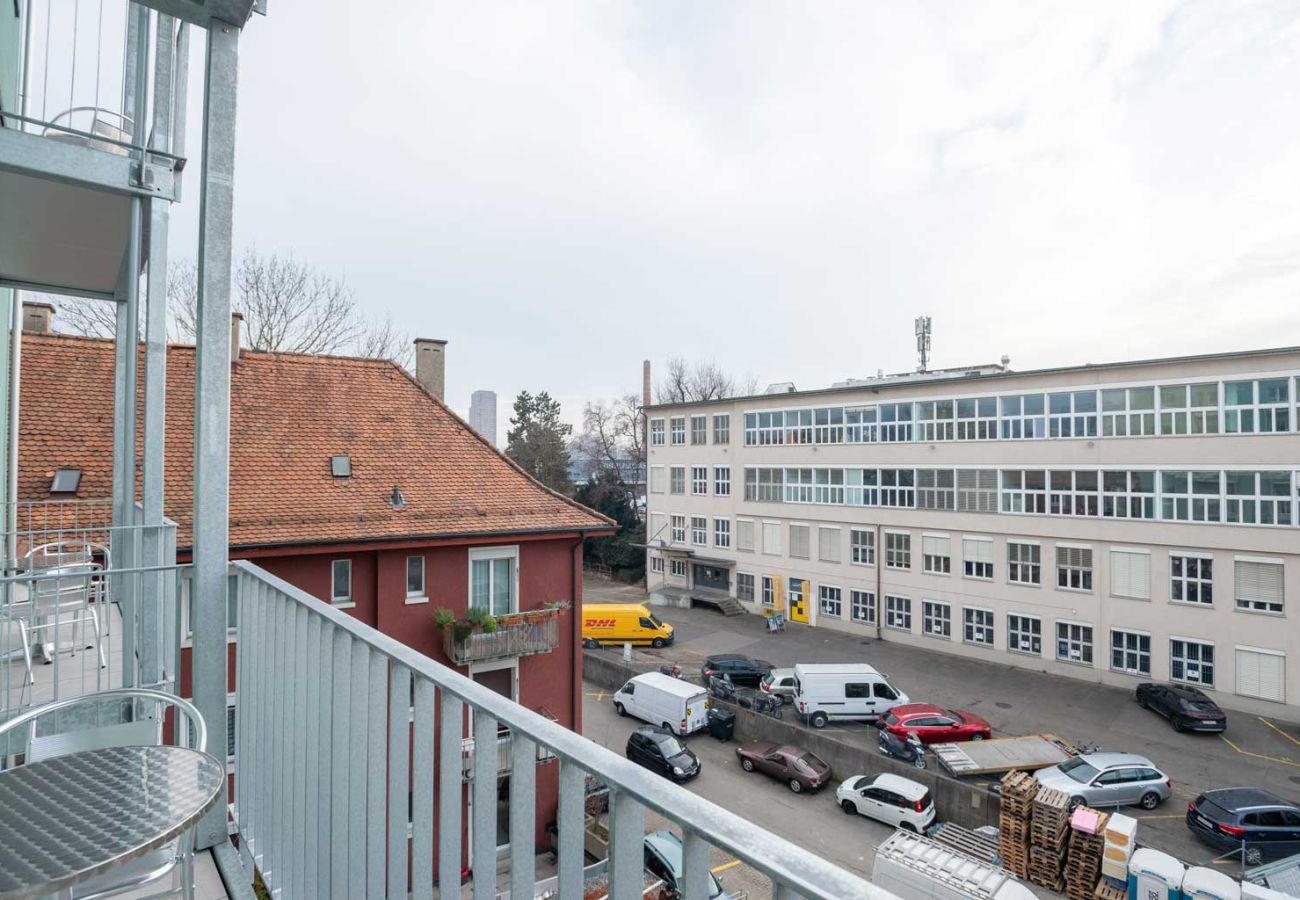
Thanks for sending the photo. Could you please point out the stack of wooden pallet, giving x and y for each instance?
(1048, 831)
(1083, 860)
(1018, 792)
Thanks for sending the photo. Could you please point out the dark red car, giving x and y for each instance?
(798, 768)
(935, 725)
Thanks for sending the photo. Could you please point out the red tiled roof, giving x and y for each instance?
(289, 414)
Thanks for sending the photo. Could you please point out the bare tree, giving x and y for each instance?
(287, 306)
(688, 382)
(613, 434)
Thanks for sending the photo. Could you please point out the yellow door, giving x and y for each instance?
(798, 600)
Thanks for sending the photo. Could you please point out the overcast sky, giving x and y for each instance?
(561, 191)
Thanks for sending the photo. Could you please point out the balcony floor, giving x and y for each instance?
(72, 675)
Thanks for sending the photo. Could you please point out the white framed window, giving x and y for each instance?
(658, 526)
(678, 568)
(1025, 634)
(656, 432)
(699, 430)
(1072, 414)
(862, 547)
(1258, 584)
(798, 426)
(1189, 408)
(494, 579)
(1256, 406)
(722, 428)
(699, 480)
(1128, 412)
(828, 425)
(657, 565)
(977, 557)
(828, 543)
(936, 489)
(1191, 577)
(862, 606)
(1024, 491)
(722, 481)
(898, 550)
(898, 488)
(934, 420)
(679, 529)
(977, 419)
(341, 590)
(677, 426)
(745, 535)
(977, 490)
(828, 598)
(1191, 496)
(768, 585)
(1257, 498)
(1130, 573)
(828, 486)
(799, 541)
(798, 485)
(699, 531)
(1074, 642)
(658, 479)
(936, 618)
(1023, 417)
(1261, 673)
(1024, 563)
(677, 480)
(1191, 661)
(722, 533)
(415, 578)
(936, 554)
(763, 429)
(1074, 492)
(977, 625)
(898, 612)
(861, 425)
(896, 422)
(745, 587)
(1130, 652)
(764, 484)
(1073, 567)
(772, 538)
(863, 487)
(1128, 495)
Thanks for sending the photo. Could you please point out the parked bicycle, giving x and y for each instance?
(673, 671)
(761, 703)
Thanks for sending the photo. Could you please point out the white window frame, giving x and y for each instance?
(657, 435)
(830, 601)
(1018, 631)
(1182, 417)
(480, 554)
(722, 481)
(1089, 643)
(699, 432)
(677, 568)
(1026, 566)
(677, 431)
(936, 619)
(862, 606)
(1130, 653)
(771, 529)
(699, 481)
(1068, 493)
(658, 480)
(1137, 558)
(973, 564)
(1254, 605)
(1187, 662)
(699, 531)
(975, 422)
(745, 594)
(1258, 508)
(1085, 573)
(898, 612)
(657, 565)
(722, 533)
(936, 553)
(677, 528)
(677, 480)
(1128, 499)
(978, 633)
(806, 547)
(828, 538)
(337, 600)
(1199, 581)
(898, 558)
(1259, 651)
(1194, 505)
(767, 591)
(722, 428)
(422, 595)
(1018, 496)
(745, 527)
(1126, 417)
(862, 553)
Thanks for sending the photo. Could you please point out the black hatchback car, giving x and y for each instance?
(663, 752)
(1186, 708)
(740, 669)
(1265, 823)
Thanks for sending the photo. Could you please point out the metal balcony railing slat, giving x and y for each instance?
(399, 775)
(523, 808)
(695, 866)
(301, 786)
(376, 781)
(483, 841)
(626, 856)
(340, 778)
(311, 739)
(422, 791)
(359, 738)
(572, 812)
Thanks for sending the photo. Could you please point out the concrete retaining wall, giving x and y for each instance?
(967, 803)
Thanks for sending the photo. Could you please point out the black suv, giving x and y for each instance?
(1186, 708)
(663, 752)
(1229, 818)
(740, 669)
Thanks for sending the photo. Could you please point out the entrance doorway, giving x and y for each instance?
(712, 577)
(502, 681)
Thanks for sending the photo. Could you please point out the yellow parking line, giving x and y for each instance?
(599, 695)
(722, 868)
(1277, 759)
(1278, 730)
(1171, 816)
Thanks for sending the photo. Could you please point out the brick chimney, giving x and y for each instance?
(431, 365)
(38, 317)
(236, 332)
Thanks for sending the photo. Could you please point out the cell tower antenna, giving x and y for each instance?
(923, 341)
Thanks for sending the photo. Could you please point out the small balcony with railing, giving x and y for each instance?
(479, 638)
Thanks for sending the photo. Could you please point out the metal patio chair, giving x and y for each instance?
(70, 589)
(135, 717)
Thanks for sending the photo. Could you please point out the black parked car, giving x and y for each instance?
(1186, 708)
(663, 752)
(740, 669)
(1265, 823)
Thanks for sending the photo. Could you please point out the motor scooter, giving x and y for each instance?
(910, 750)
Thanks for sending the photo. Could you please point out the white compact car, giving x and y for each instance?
(891, 799)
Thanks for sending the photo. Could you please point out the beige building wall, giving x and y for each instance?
(1233, 632)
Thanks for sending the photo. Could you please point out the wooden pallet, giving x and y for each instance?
(1015, 858)
(1052, 811)
(1083, 861)
(1104, 891)
(1045, 867)
(1018, 792)
(964, 840)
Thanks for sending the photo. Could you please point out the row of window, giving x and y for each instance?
(492, 580)
(1260, 673)
(1246, 406)
(1258, 584)
(699, 430)
(1230, 496)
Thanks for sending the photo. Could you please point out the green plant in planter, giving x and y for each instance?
(444, 618)
(489, 624)
(461, 630)
(476, 615)
(557, 604)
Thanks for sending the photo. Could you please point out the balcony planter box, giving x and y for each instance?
(514, 636)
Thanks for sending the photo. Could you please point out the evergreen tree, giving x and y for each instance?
(538, 440)
(606, 493)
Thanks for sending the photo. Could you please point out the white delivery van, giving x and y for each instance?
(660, 699)
(918, 868)
(827, 692)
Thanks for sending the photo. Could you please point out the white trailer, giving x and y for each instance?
(918, 868)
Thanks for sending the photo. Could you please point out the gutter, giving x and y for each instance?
(585, 531)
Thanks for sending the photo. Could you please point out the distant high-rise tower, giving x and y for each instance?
(483, 414)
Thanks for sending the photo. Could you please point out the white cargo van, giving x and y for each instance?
(918, 868)
(827, 692)
(660, 699)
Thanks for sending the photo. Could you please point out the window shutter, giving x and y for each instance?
(1130, 574)
(1261, 675)
(1259, 582)
(828, 544)
(799, 541)
(745, 536)
(933, 545)
(771, 537)
(976, 550)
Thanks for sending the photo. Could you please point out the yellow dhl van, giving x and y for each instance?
(617, 623)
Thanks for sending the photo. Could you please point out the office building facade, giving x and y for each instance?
(483, 415)
(1108, 522)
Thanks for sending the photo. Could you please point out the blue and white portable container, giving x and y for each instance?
(1153, 875)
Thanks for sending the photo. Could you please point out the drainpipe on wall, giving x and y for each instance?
(575, 568)
(880, 581)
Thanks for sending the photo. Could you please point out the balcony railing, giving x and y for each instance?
(538, 633)
(338, 725)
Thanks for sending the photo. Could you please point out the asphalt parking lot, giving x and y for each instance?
(1255, 751)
